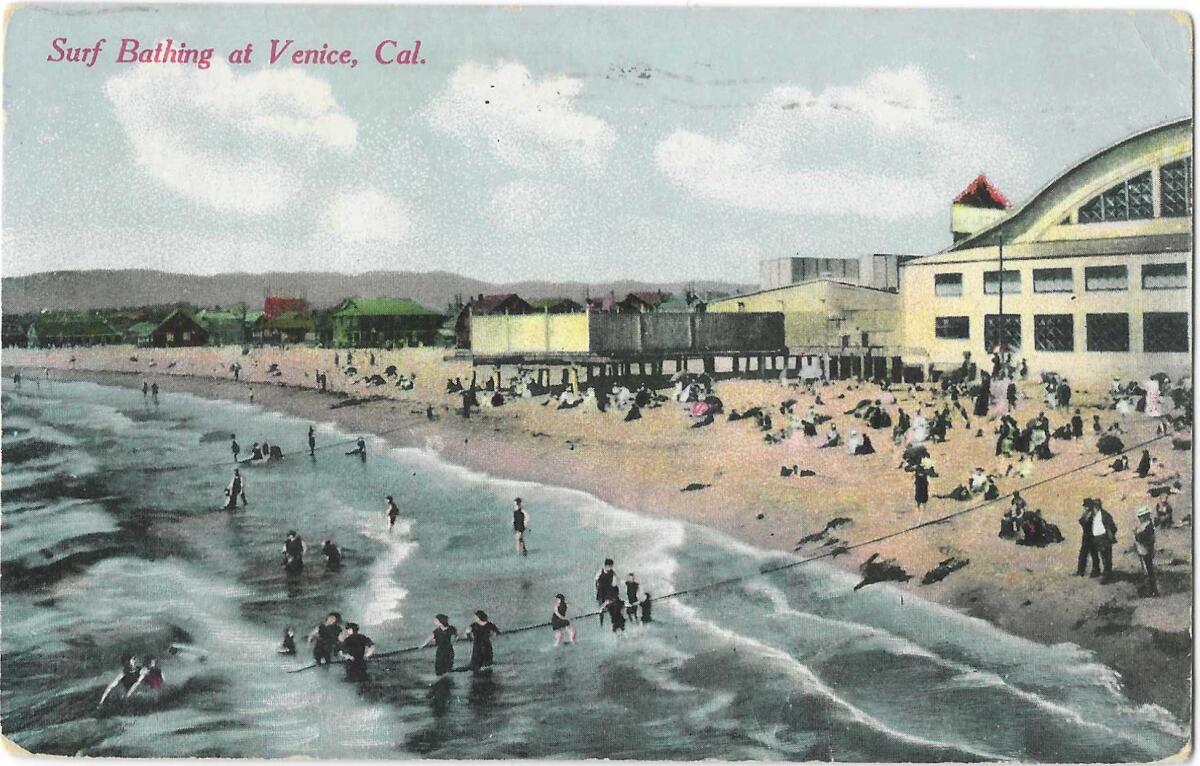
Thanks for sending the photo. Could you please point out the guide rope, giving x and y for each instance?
(808, 560)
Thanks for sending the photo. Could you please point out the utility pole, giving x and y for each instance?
(1000, 320)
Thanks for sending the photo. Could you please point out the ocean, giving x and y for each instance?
(114, 542)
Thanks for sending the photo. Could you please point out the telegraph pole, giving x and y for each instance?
(1000, 321)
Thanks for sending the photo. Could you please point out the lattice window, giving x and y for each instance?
(1164, 332)
(1012, 282)
(1054, 332)
(1053, 281)
(1164, 276)
(1107, 332)
(947, 285)
(952, 327)
(1175, 180)
(1006, 335)
(1132, 199)
(1106, 278)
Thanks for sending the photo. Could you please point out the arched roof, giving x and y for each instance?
(1038, 218)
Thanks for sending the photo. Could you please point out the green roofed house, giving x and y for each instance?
(139, 334)
(382, 322)
(231, 327)
(71, 330)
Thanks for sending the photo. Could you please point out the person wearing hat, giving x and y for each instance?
(1099, 532)
(356, 648)
(1143, 538)
(392, 511)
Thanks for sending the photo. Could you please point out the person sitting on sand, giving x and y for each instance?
(256, 452)
(978, 481)
(832, 437)
(360, 448)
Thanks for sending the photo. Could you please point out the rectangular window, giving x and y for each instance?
(947, 285)
(1053, 281)
(1012, 282)
(1107, 332)
(1054, 332)
(1164, 276)
(1164, 332)
(1105, 278)
(1006, 334)
(952, 327)
(1175, 180)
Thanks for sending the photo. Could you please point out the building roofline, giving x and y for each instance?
(971, 241)
(801, 284)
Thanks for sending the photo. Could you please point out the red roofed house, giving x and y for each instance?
(276, 305)
(500, 303)
(643, 302)
(976, 207)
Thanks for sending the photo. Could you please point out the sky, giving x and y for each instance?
(579, 144)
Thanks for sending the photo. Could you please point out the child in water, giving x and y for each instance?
(288, 644)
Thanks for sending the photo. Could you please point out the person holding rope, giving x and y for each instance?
(480, 635)
(443, 636)
(606, 587)
(324, 638)
(559, 621)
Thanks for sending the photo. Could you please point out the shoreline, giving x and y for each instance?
(1147, 641)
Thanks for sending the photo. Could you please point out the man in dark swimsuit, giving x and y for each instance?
(631, 598)
(392, 511)
(333, 556)
(606, 586)
(130, 673)
(520, 526)
(357, 648)
(324, 638)
(312, 442)
(293, 552)
(234, 447)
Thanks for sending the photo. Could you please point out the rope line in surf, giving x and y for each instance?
(808, 560)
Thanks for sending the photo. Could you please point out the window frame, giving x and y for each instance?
(1183, 286)
(1087, 287)
(1146, 334)
(1069, 270)
(1090, 344)
(941, 325)
(1009, 320)
(1001, 281)
(1040, 324)
(936, 284)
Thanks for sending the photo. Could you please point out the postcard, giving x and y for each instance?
(495, 382)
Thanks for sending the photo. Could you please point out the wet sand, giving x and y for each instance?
(644, 465)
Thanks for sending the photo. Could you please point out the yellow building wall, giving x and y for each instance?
(922, 307)
(820, 312)
(529, 333)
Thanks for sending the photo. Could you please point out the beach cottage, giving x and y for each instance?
(70, 329)
(487, 305)
(382, 322)
(178, 329)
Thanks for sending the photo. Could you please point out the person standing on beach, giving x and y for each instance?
(520, 526)
(1144, 538)
(443, 635)
(16, 378)
(234, 447)
(234, 491)
(920, 488)
(392, 511)
(480, 634)
(154, 392)
(312, 442)
(605, 586)
(251, 389)
(145, 389)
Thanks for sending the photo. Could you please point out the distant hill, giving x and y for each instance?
(106, 289)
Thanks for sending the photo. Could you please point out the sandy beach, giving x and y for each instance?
(644, 465)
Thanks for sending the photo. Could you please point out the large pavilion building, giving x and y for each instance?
(1095, 282)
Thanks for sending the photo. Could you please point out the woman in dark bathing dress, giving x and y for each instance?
(443, 636)
(481, 632)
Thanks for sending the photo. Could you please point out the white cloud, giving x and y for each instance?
(366, 216)
(525, 123)
(231, 142)
(888, 147)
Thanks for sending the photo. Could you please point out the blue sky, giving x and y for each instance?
(557, 143)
